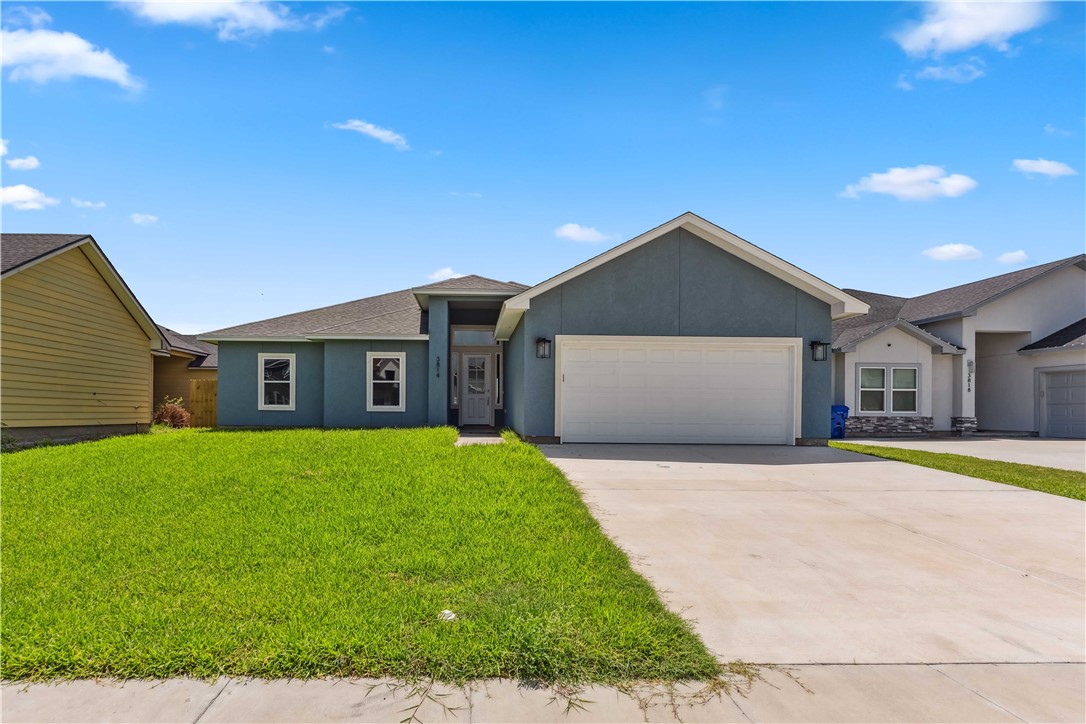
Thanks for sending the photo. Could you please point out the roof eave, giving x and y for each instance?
(422, 296)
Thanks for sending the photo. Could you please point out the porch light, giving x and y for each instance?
(819, 351)
(543, 348)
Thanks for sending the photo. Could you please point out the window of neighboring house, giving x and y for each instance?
(385, 388)
(872, 389)
(276, 377)
(903, 389)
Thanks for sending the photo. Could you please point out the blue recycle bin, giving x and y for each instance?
(838, 415)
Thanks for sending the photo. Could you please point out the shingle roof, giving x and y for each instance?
(19, 249)
(472, 282)
(956, 300)
(207, 355)
(393, 314)
(1071, 336)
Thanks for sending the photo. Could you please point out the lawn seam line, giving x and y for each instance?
(213, 700)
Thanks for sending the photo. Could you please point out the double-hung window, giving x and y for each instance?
(385, 383)
(276, 377)
(896, 385)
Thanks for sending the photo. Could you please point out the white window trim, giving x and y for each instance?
(915, 390)
(861, 389)
(260, 357)
(402, 357)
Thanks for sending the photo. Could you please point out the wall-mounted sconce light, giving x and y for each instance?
(438, 367)
(543, 348)
(819, 351)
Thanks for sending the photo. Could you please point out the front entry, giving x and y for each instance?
(475, 406)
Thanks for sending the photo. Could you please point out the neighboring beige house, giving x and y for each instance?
(1005, 354)
(189, 359)
(76, 347)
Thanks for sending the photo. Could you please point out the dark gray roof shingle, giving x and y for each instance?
(472, 282)
(1071, 336)
(19, 249)
(207, 355)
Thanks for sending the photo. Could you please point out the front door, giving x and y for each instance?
(475, 407)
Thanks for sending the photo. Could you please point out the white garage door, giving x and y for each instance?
(685, 390)
(1065, 404)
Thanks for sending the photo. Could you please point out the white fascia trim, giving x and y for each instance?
(1064, 348)
(422, 296)
(842, 305)
(795, 344)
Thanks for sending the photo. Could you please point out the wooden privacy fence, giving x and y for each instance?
(203, 403)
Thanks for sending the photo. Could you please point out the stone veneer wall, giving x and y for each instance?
(873, 426)
(963, 425)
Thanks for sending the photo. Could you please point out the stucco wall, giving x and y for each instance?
(514, 361)
(1006, 383)
(1042, 307)
(345, 378)
(892, 346)
(677, 285)
(942, 392)
(239, 376)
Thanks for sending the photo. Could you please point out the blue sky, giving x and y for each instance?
(237, 161)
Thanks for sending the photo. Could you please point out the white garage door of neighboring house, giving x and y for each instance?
(1065, 404)
(677, 390)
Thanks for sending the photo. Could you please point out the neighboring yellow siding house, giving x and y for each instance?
(189, 360)
(75, 345)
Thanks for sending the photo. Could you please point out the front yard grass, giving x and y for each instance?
(306, 553)
(1068, 483)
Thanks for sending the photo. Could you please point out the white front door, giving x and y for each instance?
(1065, 404)
(685, 390)
(475, 406)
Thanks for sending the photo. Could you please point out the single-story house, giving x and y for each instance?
(686, 333)
(1003, 354)
(189, 359)
(76, 346)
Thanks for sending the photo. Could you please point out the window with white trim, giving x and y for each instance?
(898, 386)
(385, 384)
(872, 389)
(276, 381)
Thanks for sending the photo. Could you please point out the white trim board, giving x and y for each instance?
(793, 344)
(292, 358)
(842, 305)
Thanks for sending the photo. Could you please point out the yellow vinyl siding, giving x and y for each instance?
(172, 376)
(71, 352)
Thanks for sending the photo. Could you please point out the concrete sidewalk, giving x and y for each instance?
(1049, 453)
(886, 693)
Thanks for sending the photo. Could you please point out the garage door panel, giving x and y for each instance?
(677, 391)
(1065, 404)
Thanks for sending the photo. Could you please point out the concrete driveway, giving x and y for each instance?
(805, 556)
(1068, 454)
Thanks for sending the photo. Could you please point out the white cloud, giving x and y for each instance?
(232, 20)
(952, 252)
(81, 204)
(583, 234)
(21, 16)
(948, 27)
(1051, 169)
(383, 135)
(43, 55)
(1013, 257)
(903, 83)
(961, 73)
(914, 183)
(143, 219)
(1053, 131)
(444, 273)
(28, 163)
(715, 97)
(25, 198)
(3, 146)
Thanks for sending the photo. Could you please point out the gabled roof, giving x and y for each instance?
(965, 299)
(205, 356)
(19, 252)
(847, 340)
(393, 315)
(841, 304)
(1073, 336)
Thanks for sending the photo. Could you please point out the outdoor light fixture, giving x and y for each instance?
(543, 348)
(819, 350)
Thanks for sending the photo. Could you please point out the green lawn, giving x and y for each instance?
(306, 552)
(1068, 483)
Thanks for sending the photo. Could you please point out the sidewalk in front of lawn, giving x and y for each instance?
(1045, 452)
(880, 693)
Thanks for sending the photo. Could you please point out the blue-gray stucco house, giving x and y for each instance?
(686, 333)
